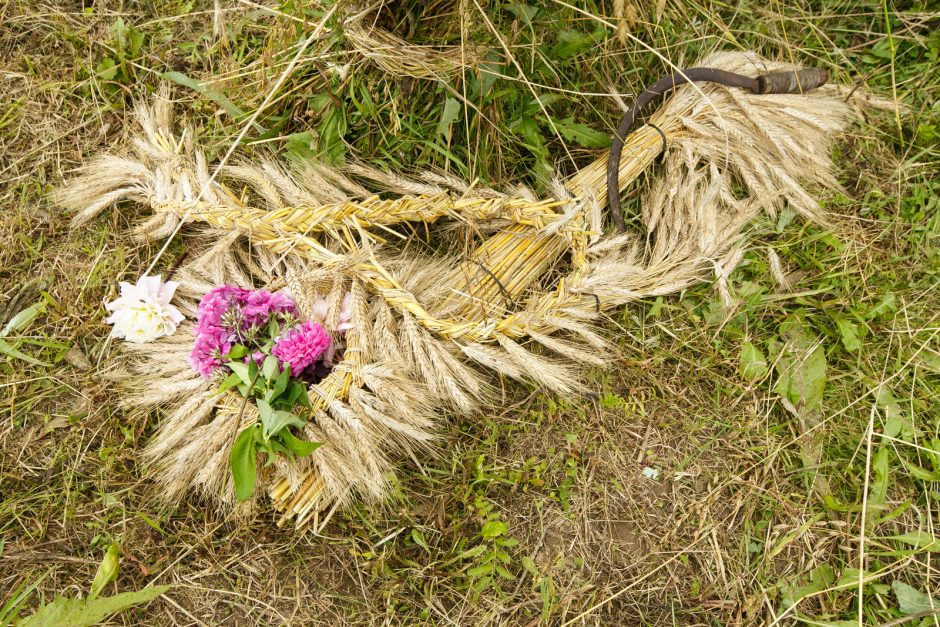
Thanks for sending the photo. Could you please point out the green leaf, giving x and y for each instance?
(801, 366)
(920, 473)
(230, 381)
(107, 571)
(895, 424)
(242, 461)
(911, 600)
(107, 69)
(265, 411)
(237, 352)
(274, 420)
(10, 351)
(493, 529)
(581, 134)
(821, 578)
(213, 94)
(281, 383)
(849, 578)
(849, 333)
(66, 612)
(243, 371)
(920, 540)
(482, 569)
(332, 130)
(524, 13)
(135, 40)
(570, 43)
(21, 320)
(300, 448)
(886, 305)
(753, 364)
(301, 145)
(269, 367)
(472, 552)
(418, 538)
(449, 115)
(529, 565)
(297, 395)
(119, 36)
(532, 135)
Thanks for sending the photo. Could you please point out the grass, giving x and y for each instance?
(539, 512)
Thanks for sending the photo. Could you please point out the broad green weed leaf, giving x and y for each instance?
(449, 115)
(849, 334)
(493, 529)
(107, 70)
(65, 612)
(273, 420)
(753, 364)
(820, 579)
(332, 129)
(280, 384)
(581, 134)
(230, 381)
(895, 424)
(237, 352)
(570, 43)
(269, 367)
(418, 538)
(473, 552)
(107, 571)
(886, 305)
(911, 600)
(801, 367)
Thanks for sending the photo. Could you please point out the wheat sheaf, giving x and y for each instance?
(514, 285)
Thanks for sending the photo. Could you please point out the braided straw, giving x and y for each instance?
(501, 268)
(267, 225)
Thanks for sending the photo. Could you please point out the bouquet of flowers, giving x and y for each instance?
(252, 341)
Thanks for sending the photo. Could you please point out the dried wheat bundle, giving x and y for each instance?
(402, 58)
(524, 301)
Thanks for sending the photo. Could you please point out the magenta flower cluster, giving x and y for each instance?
(227, 315)
(230, 315)
(301, 346)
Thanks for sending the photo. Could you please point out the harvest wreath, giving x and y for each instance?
(318, 341)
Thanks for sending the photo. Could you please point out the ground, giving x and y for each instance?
(684, 488)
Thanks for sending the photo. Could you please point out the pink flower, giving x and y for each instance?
(216, 332)
(257, 357)
(320, 311)
(208, 348)
(345, 315)
(216, 302)
(301, 346)
(258, 306)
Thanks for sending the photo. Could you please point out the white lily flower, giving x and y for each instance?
(143, 312)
